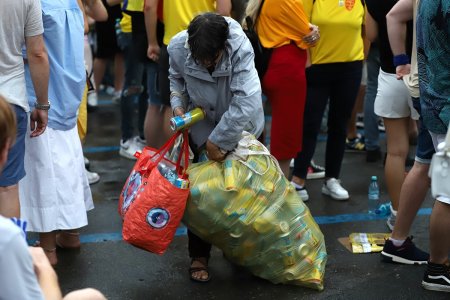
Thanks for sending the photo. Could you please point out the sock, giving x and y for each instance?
(397, 243)
(297, 186)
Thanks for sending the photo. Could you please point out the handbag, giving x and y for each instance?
(440, 169)
(154, 197)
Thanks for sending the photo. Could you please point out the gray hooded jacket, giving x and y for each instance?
(230, 96)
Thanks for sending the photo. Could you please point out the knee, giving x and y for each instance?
(85, 294)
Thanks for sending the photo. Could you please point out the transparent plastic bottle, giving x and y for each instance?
(117, 27)
(374, 196)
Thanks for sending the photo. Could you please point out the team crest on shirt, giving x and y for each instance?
(349, 4)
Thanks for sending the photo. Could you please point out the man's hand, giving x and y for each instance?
(178, 111)
(312, 38)
(38, 122)
(214, 152)
(402, 70)
(153, 52)
(41, 263)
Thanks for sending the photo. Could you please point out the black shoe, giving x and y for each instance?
(437, 277)
(407, 253)
(355, 144)
(373, 155)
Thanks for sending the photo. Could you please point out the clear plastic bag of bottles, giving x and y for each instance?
(247, 208)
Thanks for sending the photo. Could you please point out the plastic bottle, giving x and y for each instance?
(374, 196)
(117, 27)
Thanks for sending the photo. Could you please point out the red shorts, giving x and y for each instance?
(285, 86)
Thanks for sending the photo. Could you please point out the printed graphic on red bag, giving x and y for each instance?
(131, 189)
(158, 217)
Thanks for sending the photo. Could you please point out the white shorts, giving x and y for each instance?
(55, 193)
(393, 99)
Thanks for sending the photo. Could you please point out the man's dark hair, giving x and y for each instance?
(208, 34)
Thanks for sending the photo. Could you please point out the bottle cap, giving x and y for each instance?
(374, 178)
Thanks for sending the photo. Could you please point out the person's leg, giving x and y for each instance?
(317, 94)
(371, 132)
(14, 170)
(352, 132)
(342, 99)
(119, 72)
(439, 233)
(99, 71)
(47, 241)
(199, 252)
(85, 294)
(397, 150)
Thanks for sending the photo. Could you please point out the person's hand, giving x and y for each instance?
(402, 70)
(178, 111)
(312, 38)
(214, 152)
(41, 263)
(38, 122)
(153, 52)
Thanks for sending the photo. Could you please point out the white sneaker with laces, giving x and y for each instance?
(333, 188)
(92, 177)
(129, 148)
(301, 190)
(140, 143)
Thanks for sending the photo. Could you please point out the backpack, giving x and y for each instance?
(262, 54)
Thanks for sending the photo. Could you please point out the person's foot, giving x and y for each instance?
(373, 155)
(407, 253)
(437, 277)
(333, 188)
(92, 176)
(391, 219)
(199, 269)
(129, 147)
(355, 144)
(92, 101)
(315, 171)
(68, 240)
(301, 191)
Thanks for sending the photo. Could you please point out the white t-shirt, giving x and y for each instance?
(17, 278)
(18, 19)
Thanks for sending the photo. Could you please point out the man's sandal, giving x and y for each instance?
(204, 268)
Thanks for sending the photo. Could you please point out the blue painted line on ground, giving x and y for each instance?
(101, 149)
(182, 231)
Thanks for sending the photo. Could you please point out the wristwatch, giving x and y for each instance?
(39, 106)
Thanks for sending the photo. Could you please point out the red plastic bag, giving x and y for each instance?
(153, 212)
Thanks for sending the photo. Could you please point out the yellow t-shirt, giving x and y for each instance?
(340, 23)
(125, 23)
(179, 13)
(282, 21)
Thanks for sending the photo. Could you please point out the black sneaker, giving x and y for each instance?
(315, 171)
(437, 277)
(407, 253)
(356, 144)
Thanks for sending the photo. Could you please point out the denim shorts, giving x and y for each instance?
(14, 169)
(425, 147)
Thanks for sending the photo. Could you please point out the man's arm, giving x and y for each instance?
(151, 18)
(45, 274)
(223, 7)
(96, 10)
(396, 20)
(39, 71)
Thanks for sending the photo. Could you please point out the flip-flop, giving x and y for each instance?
(193, 270)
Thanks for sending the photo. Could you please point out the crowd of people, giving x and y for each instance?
(170, 56)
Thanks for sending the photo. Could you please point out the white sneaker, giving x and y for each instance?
(301, 191)
(86, 162)
(92, 99)
(391, 219)
(92, 177)
(129, 148)
(333, 188)
(140, 143)
(116, 97)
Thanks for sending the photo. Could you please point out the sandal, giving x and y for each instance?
(204, 267)
(68, 240)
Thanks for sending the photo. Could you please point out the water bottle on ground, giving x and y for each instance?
(373, 196)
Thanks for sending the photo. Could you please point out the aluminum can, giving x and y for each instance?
(180, 122)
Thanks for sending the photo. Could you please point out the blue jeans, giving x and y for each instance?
(140, 82)
(425, 147)
(371, 132)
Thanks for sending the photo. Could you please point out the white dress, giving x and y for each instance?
(55, 193)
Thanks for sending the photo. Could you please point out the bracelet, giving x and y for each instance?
(401, 59)
(39, 106)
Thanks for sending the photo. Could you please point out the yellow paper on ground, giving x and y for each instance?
(368, 242)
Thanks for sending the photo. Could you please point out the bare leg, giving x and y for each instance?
(48, 243)
(9, 201)
(412, 195)
(439, 233)
(298, 180)
(156, 126)
(85, 294)
(358, 108)
(397, 151)
(99, 71)
(284, 165)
